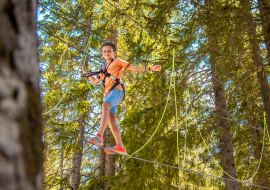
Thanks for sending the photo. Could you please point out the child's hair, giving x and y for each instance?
(109, 44)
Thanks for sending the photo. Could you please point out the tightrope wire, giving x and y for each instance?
(179, 168)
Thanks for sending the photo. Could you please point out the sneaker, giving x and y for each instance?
(117, 149)
(97, 140)
(108, 150)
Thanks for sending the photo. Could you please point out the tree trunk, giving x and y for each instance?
(226, 148)
(78, 153)
(21, 148)
(264, 7)
(101, 161)
(107, 161)
(77, 158)
(61, 164)
(262, 175)
(110, 158)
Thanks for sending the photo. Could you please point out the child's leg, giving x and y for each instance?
(109, 106)
(98, 140)
(106, 106)
(115, 129)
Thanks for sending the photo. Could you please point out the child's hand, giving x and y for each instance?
(155, 68)
(84, 69)
(101, 75)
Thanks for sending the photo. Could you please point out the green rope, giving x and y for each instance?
(83, 61)
(94, 94)
(161, 116)
(221, 167)
(268, 134)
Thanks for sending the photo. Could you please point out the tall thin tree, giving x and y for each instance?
(226, 148)
(78, 153)
(264, 87)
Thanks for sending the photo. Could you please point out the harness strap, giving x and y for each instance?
(117, 81)
(90, 73)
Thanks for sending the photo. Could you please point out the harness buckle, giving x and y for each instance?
(113, 77)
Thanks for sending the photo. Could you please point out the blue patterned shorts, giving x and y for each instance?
(114, 97)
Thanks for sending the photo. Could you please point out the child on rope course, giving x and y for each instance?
(114, 93)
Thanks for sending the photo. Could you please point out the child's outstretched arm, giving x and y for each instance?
(143, 69)
(93, 79)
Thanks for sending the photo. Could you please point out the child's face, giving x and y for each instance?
(108, 53)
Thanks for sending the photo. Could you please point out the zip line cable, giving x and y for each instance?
(157, 163)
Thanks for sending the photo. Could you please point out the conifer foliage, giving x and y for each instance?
(214, 125)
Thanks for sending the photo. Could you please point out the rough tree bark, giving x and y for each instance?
(62, 150)
(262, 176)
(264, 7)
(78, 153)
(226, 148)
(77, 158)
(21, 148)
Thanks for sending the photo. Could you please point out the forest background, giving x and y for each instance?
(218, 93)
